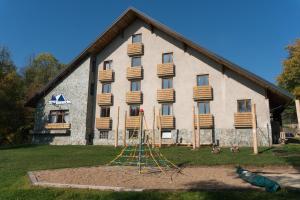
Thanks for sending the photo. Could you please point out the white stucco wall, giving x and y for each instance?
(227, 87)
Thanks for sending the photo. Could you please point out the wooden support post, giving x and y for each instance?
(159, 131)
(297, 102)
(124, 130)
(117, 128)
(194, 132)
(254, 127)
(198, 129)
(153, 128)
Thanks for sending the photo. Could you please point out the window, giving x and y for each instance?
(137, 38)
(107, 64)
(103, 135)
(105, 112)
(166, 135)
(59, 116)
(166, 109)
(134, 110)
(167, 83)
(135, 86)
(203, 108)
(202, 80)
(244, 105)
(92, 88)
(133, 134)
(136, 61)
(167, 58)
(106, 88)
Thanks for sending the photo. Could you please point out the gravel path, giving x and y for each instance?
(190, 178)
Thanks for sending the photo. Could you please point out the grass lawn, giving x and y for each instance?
(15, 162)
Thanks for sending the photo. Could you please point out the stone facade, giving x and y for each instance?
(228, 87)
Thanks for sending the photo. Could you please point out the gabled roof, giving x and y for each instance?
(130, 15)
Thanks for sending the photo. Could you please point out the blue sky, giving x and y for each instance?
(250, 33)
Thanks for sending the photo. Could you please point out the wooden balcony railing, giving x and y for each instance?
(243, 120)
(167, 121)
(133, 122)
(206, 120)
(166, 69)
(135, 97)
(58, 126)
(166, 95)
(106, 75)
(105, 99)
(202, 93)
(134, 73)
(135, 49)
(104, 123)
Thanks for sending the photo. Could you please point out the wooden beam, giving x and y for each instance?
(159, 125)
(184, 47)
(153, 128)
(254, 134)
(117, 128)
(194, 132)
(124, 130)
(198, 129)
(151, 28)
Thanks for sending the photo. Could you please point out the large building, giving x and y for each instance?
(140, 63)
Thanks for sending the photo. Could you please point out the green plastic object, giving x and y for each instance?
(258, 180)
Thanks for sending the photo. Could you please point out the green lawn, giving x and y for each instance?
(15, 162)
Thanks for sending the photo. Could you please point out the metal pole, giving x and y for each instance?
(140, 139)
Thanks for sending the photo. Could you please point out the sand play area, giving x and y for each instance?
(128, 178)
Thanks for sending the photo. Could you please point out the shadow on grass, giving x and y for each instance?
(265, 150)
(19, 146)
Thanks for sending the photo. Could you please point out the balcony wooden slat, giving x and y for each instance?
(202, 93)
(243, 120)
(133, 122)
(104, 99)
(135, 49)
(104, 123)
(58, 126)
(166, 95)
(106, 75)
(166, 69)
(134, 73)
(206, 120)
(135, 97)
(167, 121)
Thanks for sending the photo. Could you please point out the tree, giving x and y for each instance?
(40, 70)
(11, 100)
(289, 79)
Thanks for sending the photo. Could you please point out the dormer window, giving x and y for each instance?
(167, 58)
(137, 38)
(107, 65)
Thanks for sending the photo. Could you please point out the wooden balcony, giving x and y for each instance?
(104, 123)
(167, 121)
(133, 122)
(202, 93)
(134, 73)
(166, 69)
(206, 121)
(135, 97)
(104, 99)
(106, 75)
(243, 120)
(58, 126)
(135, 49)
(166, 95)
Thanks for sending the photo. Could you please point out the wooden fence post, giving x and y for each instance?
(194, 132)
(153, 128)
(159, 132)
(254, 127)
(198, 129)
(124, 130)
(117, 128)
